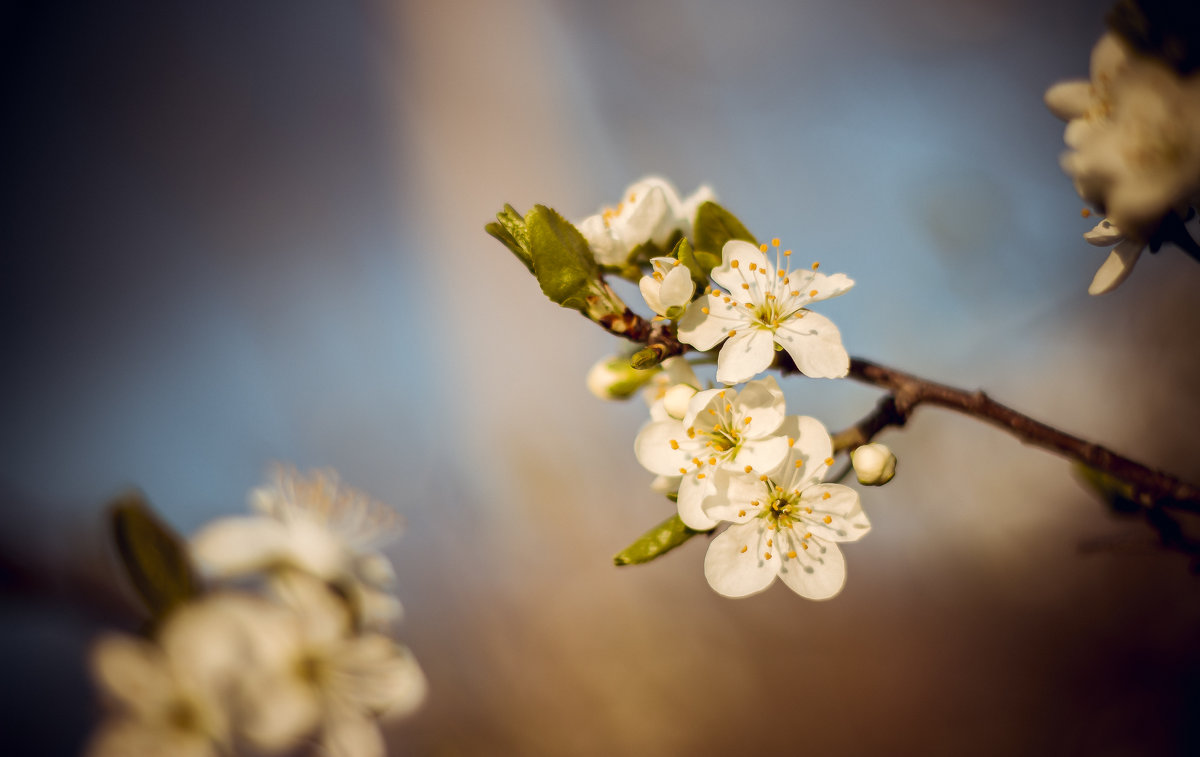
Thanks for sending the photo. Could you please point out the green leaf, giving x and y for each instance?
(509, 228)
(699, 263)
(656, 542)
(1112, 491)
(154, 557)
(715, 226)
(562, 260)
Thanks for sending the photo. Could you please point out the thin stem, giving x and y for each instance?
(907, 392)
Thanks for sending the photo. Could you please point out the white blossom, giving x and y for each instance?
(723, 429)
(668, 288)
(1134, 130)
(323, 680)
(176, 696)
(315, 524)
(785, 523)
(874, 464)
(766, 303)
(650, 211)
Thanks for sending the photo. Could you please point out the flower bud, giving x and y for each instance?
(676, 399)
(874, 464)
(613, 378)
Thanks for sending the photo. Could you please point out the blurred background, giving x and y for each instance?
(239, 233)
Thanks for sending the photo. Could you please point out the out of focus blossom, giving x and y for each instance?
(668, 288)
(650, 211)
(321, 680)
(1121, 259)
(174, 697)
(314, 524)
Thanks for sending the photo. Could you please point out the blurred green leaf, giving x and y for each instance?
(562, 260)
(509, 228)
(656, 542)
(715, 226)
(154, 557)
(1112, 491)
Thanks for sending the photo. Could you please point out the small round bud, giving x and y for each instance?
(676, 399)
(613, 378)
(874, 464)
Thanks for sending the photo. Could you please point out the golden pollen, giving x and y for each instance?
(734, 264)
(704, 310)
(741, 513)
(674, 444)
(829, 461)
(1086, 212)
(749, 468)
(775, 242)
(792, 554)
(828, 519)
(812, 293)
(753, 266)
(826, 495)
(770, 543)
(767, 554)
(804, 544)
(744, 548)
(762, 247)
(816, 266)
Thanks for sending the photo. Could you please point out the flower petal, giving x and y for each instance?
(1069, 99)
(237, 546)
(761, 402)
(815, 345)
(677, 287)
(606, 247)
(693, 491)
(812, 448)
(745, 355)
(650, 288)
(737, 564)
(763, 455)
(133, 671)
(737, 257)
(655, 452)
(829, 286)
(818, 572)
(1117, 267)
(842, 508)
(705, 330)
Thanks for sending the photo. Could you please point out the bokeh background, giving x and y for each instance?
(239, 233)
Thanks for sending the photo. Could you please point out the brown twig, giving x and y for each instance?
(906, 392)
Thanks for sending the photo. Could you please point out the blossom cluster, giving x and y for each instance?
(1133, 131)
(731, 454)
(290, 646)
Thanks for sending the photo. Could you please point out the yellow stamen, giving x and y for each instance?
(744, 548)
(674, 444)
(762, 247)
(775, 242)
(812, 293)
(816, 266)
(766, 554)
(704, 310)
(749, 468)
(734, 264)
(792, 554)
(825, 495)
(828, 519)
(829, 461)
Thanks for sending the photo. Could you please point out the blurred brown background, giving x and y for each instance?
(246, 232)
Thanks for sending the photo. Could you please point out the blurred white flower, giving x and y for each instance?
(669, 287)
(874, 464)
(1134, 130)
(315, 524)
(175, 696)
(785, 524)
(723, 428)
(766, 304)
(1119, 264)
(670, 390)
(650, 211)
(322, 680)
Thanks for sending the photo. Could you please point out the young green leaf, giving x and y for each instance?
(154, 557)
(562, 260)
(715, 226)
(699, 263)
(656, 542)
(509, 228)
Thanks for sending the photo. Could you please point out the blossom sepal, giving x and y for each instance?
(656, 542)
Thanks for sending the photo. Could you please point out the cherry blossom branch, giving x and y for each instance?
(906, 392)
